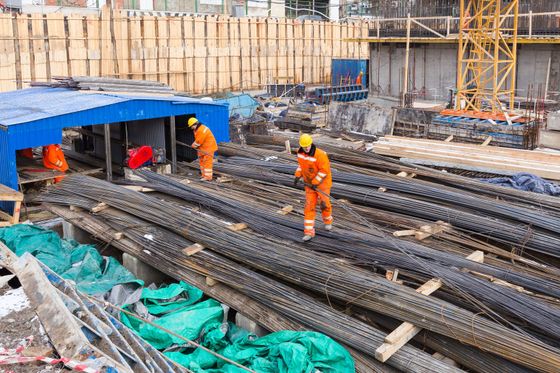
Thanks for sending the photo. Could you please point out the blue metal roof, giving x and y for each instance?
(36, 116)
(32, 104)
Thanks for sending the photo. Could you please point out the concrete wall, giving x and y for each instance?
(433, 69)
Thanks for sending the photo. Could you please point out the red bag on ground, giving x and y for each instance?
(138, 157)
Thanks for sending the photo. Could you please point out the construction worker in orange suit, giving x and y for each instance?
(315, 169)
(359, 78)
(53, 158)
(205, 145)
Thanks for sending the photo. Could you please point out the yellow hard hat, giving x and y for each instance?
(191, 122)
(305, 140)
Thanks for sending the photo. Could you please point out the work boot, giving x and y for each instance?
(328, 227)
(307, 238)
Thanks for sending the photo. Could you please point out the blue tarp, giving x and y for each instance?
(526, 182)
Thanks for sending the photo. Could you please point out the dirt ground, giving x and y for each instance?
(17, 322)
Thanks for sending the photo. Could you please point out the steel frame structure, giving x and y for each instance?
(487, 55)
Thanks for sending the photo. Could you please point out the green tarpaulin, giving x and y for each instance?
(182, 309)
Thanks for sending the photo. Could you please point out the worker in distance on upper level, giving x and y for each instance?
(205, 145)
(315, 169)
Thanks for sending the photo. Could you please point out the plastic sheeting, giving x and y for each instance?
(526, 182)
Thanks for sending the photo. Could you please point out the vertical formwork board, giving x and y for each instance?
(212, 56)
(298, 51)
(245, 77)
(290, 49)
(136, 46)
(200, 54)
(162, 49)
(122, 44)
(308, 51)
(7, 54)
(262, 41)
(223, 60)
(271, 50)
(234, 54)
(189, 45)
(176, 54)
(23, 41)
(254, 61)
(282, 51)
(77, 52)
(57, 44)
(94, 44)
(150, 47)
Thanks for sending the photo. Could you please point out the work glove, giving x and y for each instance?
(296, 181)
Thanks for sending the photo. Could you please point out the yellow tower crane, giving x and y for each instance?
(487, 56)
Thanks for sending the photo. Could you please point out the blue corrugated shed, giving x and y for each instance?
(36, 116)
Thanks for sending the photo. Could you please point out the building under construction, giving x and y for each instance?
(282, 186)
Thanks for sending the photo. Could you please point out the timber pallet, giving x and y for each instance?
(10, 195)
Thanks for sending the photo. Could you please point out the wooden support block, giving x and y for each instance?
(17, 211)
(408, 232)
(426, 231)
(99, 207)
(476, 256)
(449, 138)
(138, 188)
(237, 227)
(402, 174)
(382, 189)
(76, 208)
(210, 281)
(9, 194)
(430, 286)
(288, 147)
(285, 210)
(445, 359)
(118, 235)
(224, 179)
(193, 249)
(487, 141)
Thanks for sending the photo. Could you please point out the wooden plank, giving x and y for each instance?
(487, 141)
(272, 50)
(9, 194)
(176, 55)
(254, 61)
(24, 49)
(94, 45)
(7, 54)
(235, 53)
(212, 64)
(17, 212)
(405, 233)
(136, 47)
(237, 227)
(290, 50)
(122, 44)
(200, 53)
(77, 53)
(449, 138)
(162, 42)
(193, 249)
(99, 207)
(190, 44)
(150, 53)
(262, 42)
(222, 54)
(285, 210)
(57, 44)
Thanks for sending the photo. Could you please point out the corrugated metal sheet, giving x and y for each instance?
(36, 116)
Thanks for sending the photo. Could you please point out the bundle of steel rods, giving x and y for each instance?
(375, 250)
(318, 273)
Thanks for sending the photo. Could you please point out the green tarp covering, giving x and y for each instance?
(182, 308)
(92, 273)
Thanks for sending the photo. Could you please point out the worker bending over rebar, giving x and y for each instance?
(315, 168)
(205, 145)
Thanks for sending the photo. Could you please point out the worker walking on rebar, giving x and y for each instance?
(315, 169)
(205, 145)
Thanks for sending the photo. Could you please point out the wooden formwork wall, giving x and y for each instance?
(196, 54)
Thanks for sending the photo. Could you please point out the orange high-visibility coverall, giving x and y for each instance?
(315, 169)
(206, 146)
(53, 158)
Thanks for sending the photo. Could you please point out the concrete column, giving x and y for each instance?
(244, 322)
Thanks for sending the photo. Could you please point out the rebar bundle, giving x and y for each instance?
(317, 272)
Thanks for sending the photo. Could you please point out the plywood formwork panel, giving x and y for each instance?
(234, 53)
(290, 48)
(122, 45)
(57, 44)
(200, 53)
(253, 44)
(162, 26)
(150, 50)
(177, 69)
(23, 25)
(223, 65)
(264, 72)
(212, 54)
(189, 45)
(94, 39)
(7, 54)
(245, 78)
(77, 52)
